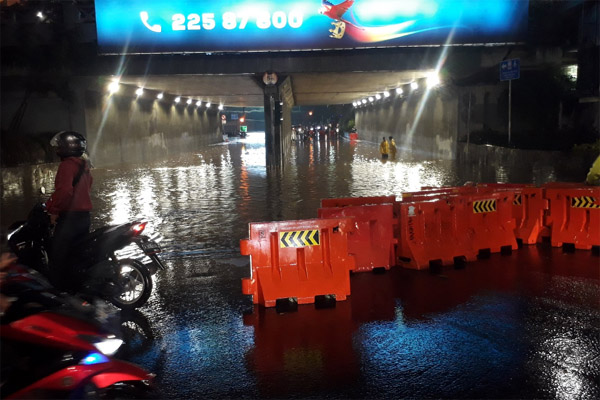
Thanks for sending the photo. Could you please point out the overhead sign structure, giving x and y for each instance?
(510, 69)
(187, 26)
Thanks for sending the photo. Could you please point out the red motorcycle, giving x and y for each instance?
(53, 346)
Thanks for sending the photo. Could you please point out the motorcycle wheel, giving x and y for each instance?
(134, 283)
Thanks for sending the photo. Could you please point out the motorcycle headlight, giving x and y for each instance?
(108, 346)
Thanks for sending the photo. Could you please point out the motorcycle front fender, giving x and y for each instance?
(120, 371)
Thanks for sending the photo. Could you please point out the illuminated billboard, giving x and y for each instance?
(187, 26)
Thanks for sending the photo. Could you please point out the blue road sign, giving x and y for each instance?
(510, 69)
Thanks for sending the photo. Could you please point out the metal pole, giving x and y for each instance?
(509, 108)
(469, 122)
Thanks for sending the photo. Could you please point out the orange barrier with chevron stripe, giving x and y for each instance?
(373, 241)
(432, 231)
(489, 219)
(298, 260)
(574, 215)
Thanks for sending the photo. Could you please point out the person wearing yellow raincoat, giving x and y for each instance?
(593, 177)
(392, 148)
(384, 149)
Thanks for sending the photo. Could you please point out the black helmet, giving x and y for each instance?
(69, 144)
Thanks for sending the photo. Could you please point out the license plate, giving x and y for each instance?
(150, 247)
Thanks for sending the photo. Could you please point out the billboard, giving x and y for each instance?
(189, 26)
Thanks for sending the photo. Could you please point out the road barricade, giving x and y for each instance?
(446, 229)
(431, 193)
(489, 219)
(530, 219)
(373, 242)
(357, 201)
(430, 232)
(299, 260)
(574, 215)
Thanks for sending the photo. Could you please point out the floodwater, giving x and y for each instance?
(525, 325)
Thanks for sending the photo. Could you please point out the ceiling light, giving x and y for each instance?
(159, 96)
(364, 101)
(414, 86)
(207, 104)
(433, 80)
(221, 107)
(371, 99)
(189, 101)
(378, 96)
(386, 94)
(113, 87)
(399, 90)
(177, 99)
(139, 91)
(40, 15)
(198, 103)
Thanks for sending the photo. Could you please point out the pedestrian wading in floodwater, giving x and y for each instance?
(384, 149)
(392, 144)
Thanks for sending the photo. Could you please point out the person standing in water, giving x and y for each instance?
(384, 149)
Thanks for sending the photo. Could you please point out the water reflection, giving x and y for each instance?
(472, 333)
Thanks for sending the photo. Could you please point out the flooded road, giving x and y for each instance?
(519, 326)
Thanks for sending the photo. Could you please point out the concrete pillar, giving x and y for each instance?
(278, 101)
(273, 127)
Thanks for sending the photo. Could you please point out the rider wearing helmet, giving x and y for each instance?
(70, 204)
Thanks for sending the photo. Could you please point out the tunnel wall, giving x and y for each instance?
(119, 128)
(427, 124)
(125, 129)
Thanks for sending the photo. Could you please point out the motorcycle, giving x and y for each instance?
(53, 346)
(126, 283)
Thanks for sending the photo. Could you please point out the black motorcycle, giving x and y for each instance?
(127, 283)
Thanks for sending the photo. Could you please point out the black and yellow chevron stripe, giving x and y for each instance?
(517, 201)
(584, 202)
(299, 238)
(484, 206)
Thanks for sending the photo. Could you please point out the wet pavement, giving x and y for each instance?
(525, 325)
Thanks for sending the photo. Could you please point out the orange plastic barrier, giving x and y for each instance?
(357, 201)
(531, 219)
(298, 259)
(489, 219)
(519, 211)
(373, 241)
(454, 227)
(574, 215)
(431, 232)
(429, 193)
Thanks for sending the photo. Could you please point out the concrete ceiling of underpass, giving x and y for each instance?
(308, 88)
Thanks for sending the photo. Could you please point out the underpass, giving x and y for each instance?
(523, 325)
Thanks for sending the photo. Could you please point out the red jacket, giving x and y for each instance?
(66, 197)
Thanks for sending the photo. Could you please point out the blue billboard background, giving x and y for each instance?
(175, 26)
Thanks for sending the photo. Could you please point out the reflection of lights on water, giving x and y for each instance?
(392, 178)
(501, 174)
(567, 359)
(121, 210)
(147, 197)
(254, 138)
